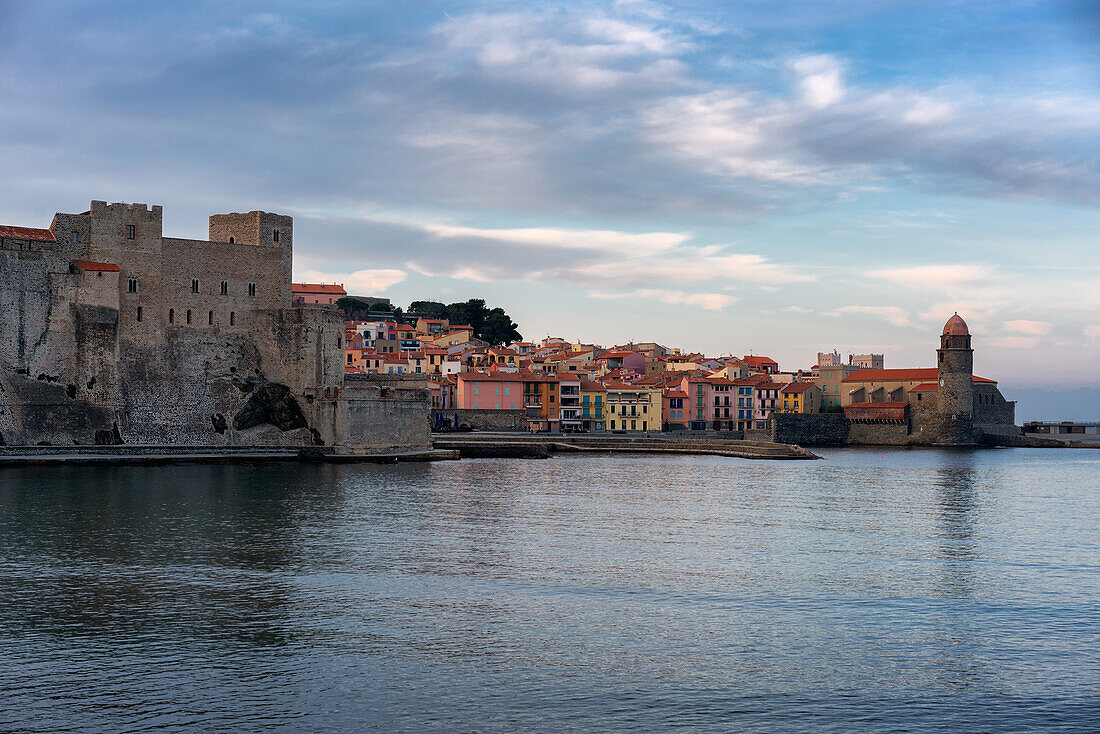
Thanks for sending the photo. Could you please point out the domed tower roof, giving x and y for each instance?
(955, 326)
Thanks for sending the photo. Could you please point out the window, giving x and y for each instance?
(76, 238)
(612, 425)
(210, 318)
(194, 285)
(139, 313)
(232, 318)
(231, 240)
(131, 231)
(252, 294)
(189, 316)
(275, 235)
(132, 285)
(225, 287)
(171, 315)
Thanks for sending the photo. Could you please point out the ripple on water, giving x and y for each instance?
(921, 590)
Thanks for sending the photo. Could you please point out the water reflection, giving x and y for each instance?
(182, 551)
(911, 590)
(956, 516)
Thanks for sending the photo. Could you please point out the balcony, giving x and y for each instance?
(532, 403)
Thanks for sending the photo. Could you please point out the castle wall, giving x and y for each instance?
(810, 429)
(91, 355)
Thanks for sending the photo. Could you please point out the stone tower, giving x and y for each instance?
(259, 228)
(955, 370)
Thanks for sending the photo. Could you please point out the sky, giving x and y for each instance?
(738, 177)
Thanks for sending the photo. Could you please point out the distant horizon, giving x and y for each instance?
(780, 179)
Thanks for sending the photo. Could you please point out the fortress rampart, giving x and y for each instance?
(113, 332)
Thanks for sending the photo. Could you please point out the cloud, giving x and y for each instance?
(798, 309)
(1015, 342)
(820, 80)
(360, 282)
(934, 276)
(1022, 326)
(1092, 332)
(890, 314)
(707, 301)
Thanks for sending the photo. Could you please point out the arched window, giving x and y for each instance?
(231, 240)
(139, 313)
(194, 285)
(225, 287)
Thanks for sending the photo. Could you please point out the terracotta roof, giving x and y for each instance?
(955, 326)
(924, 374)
(331, 288)
(674, 393)
(626, 386)
(797, 387)
(26, 233)
(769, 386)
(90, 265)
(925, 387)
(591, 386)
(758, 361)
(884, 406)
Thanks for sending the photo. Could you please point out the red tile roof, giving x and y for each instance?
(797, 387)
(90, 265)
(925, 387)
(330, 288)
(26, 233)
(924, 374)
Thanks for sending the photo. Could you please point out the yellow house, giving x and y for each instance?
(593, 406)
(800, 397)
(633, 407)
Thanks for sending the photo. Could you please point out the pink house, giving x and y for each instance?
(767, 400)
(495, 391)
(622, 360)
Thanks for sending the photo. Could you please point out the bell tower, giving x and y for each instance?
(955, 373)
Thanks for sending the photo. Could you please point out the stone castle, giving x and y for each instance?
(112, 332)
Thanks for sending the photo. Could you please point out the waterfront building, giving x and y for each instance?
(489, 391)
(633, 407)
(593, 405)
(674, 408)
(800, 397)
(766, 398)
(540, 400)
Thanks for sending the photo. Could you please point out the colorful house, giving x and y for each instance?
(633, 407)
(800, 397)
(674, 409)
(485, 391)
(593, 406)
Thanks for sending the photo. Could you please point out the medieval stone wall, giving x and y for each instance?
(482, 420)
(810, 429)
(879, 434)
(89, 355)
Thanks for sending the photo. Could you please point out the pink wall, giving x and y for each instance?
(486, 397)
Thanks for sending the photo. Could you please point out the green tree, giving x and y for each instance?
(498, 328)
(428, 309)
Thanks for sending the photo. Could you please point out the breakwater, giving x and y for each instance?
(502, 445)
